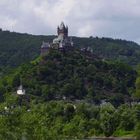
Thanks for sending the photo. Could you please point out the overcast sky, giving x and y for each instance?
(103, 18)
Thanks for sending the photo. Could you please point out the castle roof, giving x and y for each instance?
(62, 25)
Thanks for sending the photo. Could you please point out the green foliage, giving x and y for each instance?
(138, 87)
(73, 75)
(61, 120)
(107, 119)
(138, 132)
(70, 78)
(138, 83)
(138, 122)
(16, 48)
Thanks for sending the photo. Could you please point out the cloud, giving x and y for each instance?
(117, 18)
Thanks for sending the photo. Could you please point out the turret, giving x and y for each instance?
(44, 48)
(62, 30)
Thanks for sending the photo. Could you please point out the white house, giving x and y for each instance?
(20, 90)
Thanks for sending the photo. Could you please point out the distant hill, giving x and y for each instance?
(17, 48)
(75, 76)
(112, 49)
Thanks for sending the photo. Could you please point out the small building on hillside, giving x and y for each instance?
(21, 90)
(23, 97)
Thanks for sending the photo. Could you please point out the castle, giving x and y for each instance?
(62, 42)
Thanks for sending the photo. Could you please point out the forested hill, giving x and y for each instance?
(73, 75)
(62, 90)
(17, 48)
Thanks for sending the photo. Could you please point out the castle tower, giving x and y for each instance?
(62, 31)
(44, 48)
(63, 41)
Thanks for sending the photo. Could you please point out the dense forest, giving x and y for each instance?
(17, 48)
(74, 75)
(60, 120)
(63, 98)
(138, 96)
(70, 94)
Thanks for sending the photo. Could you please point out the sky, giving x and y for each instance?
(103, 18)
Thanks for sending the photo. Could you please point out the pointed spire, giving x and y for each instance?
(21, 90)
(62, 25)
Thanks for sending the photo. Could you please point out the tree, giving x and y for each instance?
(138, 83)
(138, 122)
(138, 87)
(107, 120)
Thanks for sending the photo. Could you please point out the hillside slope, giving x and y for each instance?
(16, 48)
(62, 91)
(73, 75)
